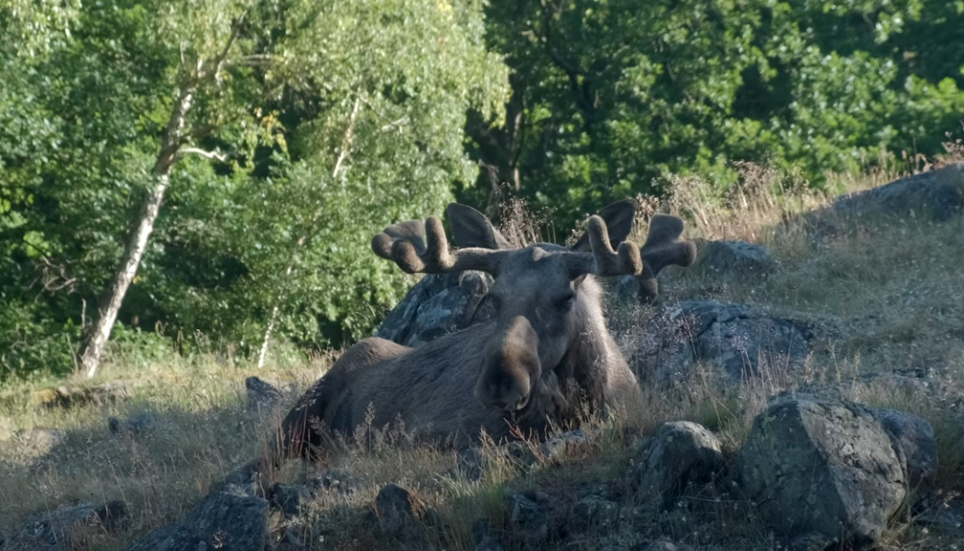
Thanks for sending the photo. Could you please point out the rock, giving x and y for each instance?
(291, 498)
(737, 340)
(174, 537)
(680, 453)
(527, 517)
(729, 260)
(37, 441)
(485, 540)
(138, 424)
(666, 545)
(397, 509)
(821, 467)
(262, 396)
(936, 194)
(914, 443)
(558, 446)
(230, 520)
(67, 527)
(593, 513)
(69, 396)
(437, 305)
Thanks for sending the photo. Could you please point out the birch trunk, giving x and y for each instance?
(134, 251)
(342, 155)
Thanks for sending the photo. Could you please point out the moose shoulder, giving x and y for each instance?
(546, 359)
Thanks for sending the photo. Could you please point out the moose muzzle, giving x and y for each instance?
(510, 367)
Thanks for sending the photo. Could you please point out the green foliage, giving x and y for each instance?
(315, 124)
(311, 127)
(611, 95)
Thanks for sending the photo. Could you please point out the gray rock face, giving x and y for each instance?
(734, 338)
(731, 260)
(396, 509)
(527, 517)
(38, 441)
(913, 440)
(170, 538)
(936, 194)
(138, 424)
(66, 527)
(824, 469)
(593, 513)
(666, 545)
(229, 520)
(437, 305)
(262, 396)
(485, 539)
(679, 453)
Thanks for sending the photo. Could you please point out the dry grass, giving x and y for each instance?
(893, 285)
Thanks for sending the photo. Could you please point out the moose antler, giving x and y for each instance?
(419, 247)
(663, 247)
(604, 261)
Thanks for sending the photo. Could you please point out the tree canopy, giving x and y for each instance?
(312, 125)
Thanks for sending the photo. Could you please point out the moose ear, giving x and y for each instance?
(472, 229)
(619, 217)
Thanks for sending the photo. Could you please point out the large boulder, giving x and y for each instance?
(822, 471)
(66, 528)
(936, 194)
(437, 305)
(680, 453)
(735, 339)
(731, 260)
(228, 519)
(913, 440)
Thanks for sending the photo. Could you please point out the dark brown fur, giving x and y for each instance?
(546, 359)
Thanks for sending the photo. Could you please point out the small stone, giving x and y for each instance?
(396, 509)
(666, 545)
(593, 514)
(527, 517)
(55, 530)
(262, 396)
(485, 540)
(174, 537)
(680, 453)
(138, 424)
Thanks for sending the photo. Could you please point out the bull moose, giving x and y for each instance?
(546, 359)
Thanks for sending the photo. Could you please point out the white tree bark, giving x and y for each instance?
(100, 332)
(342, 156)
(171, 152)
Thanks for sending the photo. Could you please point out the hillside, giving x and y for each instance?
(856, 299)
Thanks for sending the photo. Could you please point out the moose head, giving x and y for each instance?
(544, 294)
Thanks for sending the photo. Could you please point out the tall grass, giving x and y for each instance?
(894, 286)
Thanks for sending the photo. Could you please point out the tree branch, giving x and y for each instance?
(204, 153)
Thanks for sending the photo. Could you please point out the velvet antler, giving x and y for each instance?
(419, 247)
(663, 247)
(604, 261)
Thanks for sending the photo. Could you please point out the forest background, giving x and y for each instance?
(210, 172)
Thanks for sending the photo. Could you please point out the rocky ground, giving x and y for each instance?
(803, 385)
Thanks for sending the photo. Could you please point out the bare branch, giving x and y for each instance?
(204, 153)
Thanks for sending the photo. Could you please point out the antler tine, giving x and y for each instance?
(663, 247)
(406, 245)
(625, 260)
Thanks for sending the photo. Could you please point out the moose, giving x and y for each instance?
(546, 359)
